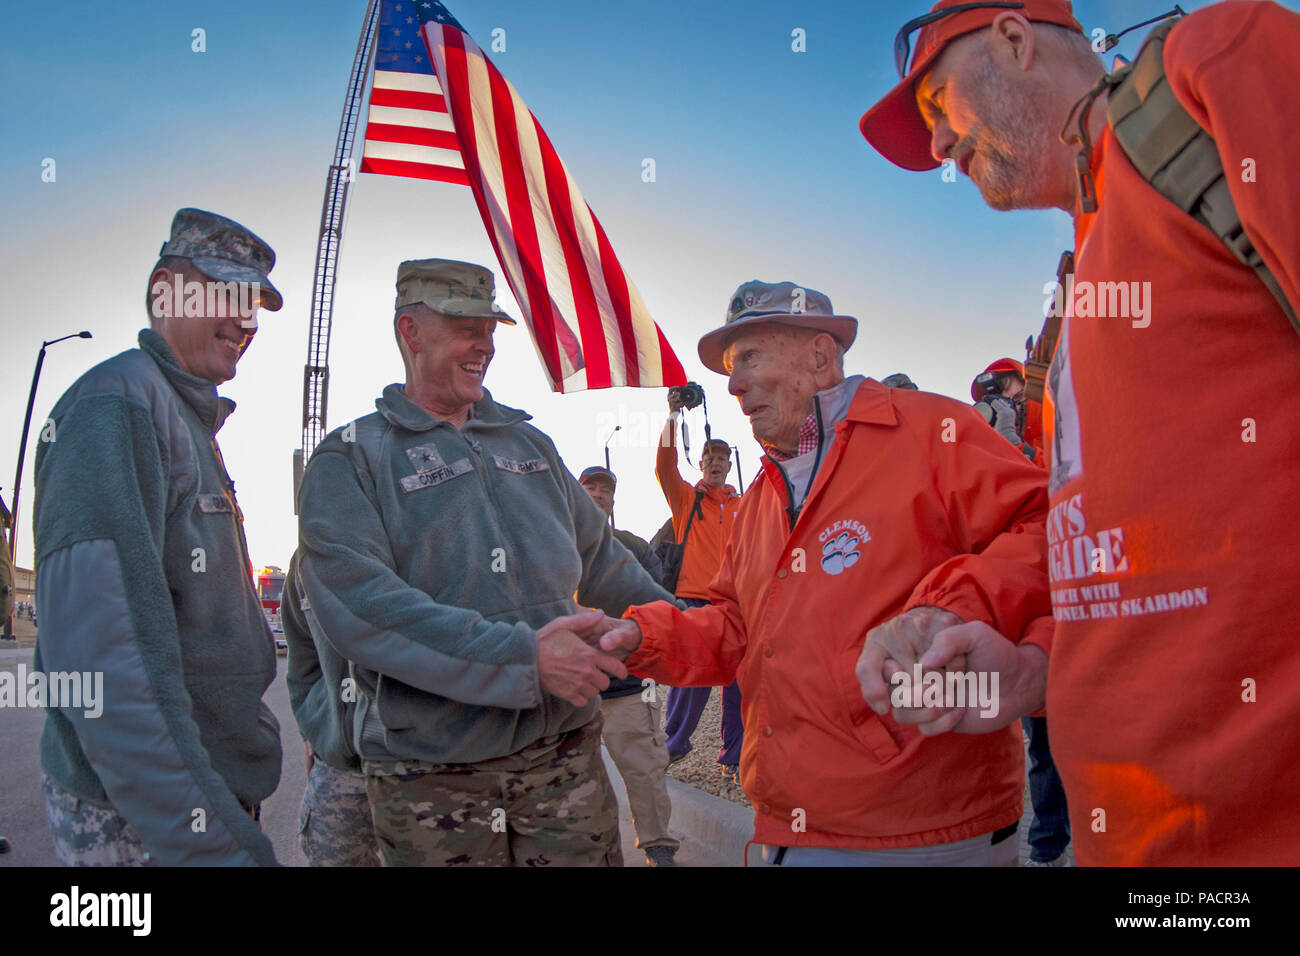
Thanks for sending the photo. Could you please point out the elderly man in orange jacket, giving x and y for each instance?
(881, 518)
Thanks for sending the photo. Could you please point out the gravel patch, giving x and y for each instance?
(700, 767)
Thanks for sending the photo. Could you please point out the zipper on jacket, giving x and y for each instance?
(817, 462)
(791, 512)
(227, 485)
(516, 591)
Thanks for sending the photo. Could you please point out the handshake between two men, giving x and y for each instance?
(579, 653)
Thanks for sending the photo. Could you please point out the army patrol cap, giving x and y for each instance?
(450, 287)
(223, 250)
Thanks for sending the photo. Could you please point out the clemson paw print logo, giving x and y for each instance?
(840, 553)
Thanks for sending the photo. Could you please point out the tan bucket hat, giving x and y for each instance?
(783, 302)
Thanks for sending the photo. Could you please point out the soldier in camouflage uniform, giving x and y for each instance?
(549, 803)
(334, 823)
(441, 545)
(141, 556)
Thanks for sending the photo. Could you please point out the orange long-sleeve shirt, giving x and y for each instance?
(1174, 536)
(709, 530)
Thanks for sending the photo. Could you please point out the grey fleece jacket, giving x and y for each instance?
(142, 574)
(323, 707)
(430, 555)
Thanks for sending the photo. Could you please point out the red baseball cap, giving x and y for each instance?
(1001, 365)
(894, 126)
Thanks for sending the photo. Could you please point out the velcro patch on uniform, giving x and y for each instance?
(521, 467)
(215, 504)
(436, 476)
(425, 457)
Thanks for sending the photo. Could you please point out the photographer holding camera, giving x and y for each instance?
(999, 396)
(702, 518)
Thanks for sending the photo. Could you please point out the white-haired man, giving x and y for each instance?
(881, 517)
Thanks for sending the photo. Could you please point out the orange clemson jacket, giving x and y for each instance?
(918, 503)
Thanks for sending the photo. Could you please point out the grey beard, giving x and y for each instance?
(1016, 141)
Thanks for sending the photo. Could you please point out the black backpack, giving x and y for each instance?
(671, 552)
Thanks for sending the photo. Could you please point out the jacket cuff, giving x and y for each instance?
(1039, 633)
(653, 619)
(966, 606)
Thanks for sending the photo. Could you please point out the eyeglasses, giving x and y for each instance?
(903, 41)
(1113, 38)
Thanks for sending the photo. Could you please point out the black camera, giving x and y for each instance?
(691, 394)
(987, 382)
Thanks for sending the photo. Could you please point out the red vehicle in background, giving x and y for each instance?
(269, 582)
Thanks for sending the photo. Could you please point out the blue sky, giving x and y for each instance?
(760, 173)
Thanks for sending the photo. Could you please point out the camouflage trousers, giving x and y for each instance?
(334, 824)
(550, 804)
(87, 834)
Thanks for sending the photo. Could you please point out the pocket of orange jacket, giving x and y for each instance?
(871, 730)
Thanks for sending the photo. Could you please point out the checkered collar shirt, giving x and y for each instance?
(807, 441)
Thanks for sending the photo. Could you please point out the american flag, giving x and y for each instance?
(440, 110)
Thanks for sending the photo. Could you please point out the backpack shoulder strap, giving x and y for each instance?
(1178, 157)
(695, 510)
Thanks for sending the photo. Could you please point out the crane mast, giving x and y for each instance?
(342, 171)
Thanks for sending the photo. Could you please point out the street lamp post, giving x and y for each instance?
(617, 428)
(22, 453)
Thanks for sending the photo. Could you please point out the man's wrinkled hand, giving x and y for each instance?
(568, 666)
(622, 638)
(591, 624)
(1021, 686)
(897, 645)
(626, 634)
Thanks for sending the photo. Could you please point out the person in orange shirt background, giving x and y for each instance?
(703, 514)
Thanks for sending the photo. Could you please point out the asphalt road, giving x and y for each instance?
(22, 808)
